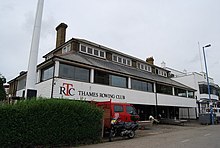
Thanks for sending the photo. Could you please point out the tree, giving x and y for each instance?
(2, 89)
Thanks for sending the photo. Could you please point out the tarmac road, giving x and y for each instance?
(186, 137)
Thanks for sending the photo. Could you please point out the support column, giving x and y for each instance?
(155, 88)
(56, 68)
(91, 75)
(129, 82)
(187, 94)
(173, 91)
(38, 75)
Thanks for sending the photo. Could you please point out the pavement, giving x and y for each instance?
(153, 130)
(190, 135)
(166, 128)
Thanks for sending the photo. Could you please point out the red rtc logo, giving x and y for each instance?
(67, 89)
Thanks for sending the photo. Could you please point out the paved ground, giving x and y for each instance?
(163, 136)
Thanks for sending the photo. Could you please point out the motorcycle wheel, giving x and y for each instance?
(111, 135)
(131, 134)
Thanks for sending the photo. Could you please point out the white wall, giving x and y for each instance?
(19, 93)
(168, 100)
(44, 88)
(96, 92)
(213, 97)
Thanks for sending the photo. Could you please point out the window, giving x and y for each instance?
(131, 110)
(96, 52)
(119, 59)
(118, 108)
(129, 62)
(101, 78)
(190, 94)
(203, 88)
(118, 81)
(139, 65)
(102, 54)
(47, 73)
(156, 71)
(141, 85)
(164, 89)
(124, 61)
(149, 69)
(89, 50)
(110, 79)
(115, 58)
(92, 51)
(21, 83)
(180, 92)
(144, 67)
(83, 48)
(74, 73)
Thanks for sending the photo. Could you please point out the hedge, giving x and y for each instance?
(49, 122)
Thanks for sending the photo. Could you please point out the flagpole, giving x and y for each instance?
(33, 56)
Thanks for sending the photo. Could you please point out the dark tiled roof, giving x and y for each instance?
(113, 66)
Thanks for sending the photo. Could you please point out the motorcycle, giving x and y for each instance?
(123, 129)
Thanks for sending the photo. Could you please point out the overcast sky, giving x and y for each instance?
(168, 30)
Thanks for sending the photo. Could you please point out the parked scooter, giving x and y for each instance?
(123, 129)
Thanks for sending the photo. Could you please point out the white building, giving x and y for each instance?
(198, 82)
(82, 70)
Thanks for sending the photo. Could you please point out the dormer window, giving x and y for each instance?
(96, 52)
(122, 60)
(89, 50)
(102, 54)
(83, 48)
(92, 51)
(144, 67)
(161, 72)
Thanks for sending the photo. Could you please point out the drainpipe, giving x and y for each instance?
(52, 89)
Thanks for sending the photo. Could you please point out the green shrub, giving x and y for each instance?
(49, 122)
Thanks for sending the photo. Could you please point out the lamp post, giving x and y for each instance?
(207, 78)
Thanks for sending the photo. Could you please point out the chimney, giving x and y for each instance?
(61, 34)
(163, 64)
(150, 60)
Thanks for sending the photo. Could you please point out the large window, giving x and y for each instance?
(203, 88)
(164, 89)
(47, 73)
(142, 85)
(190, 94)
(74, 73)
(21, 83)
(180, 92)
(110, 79)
